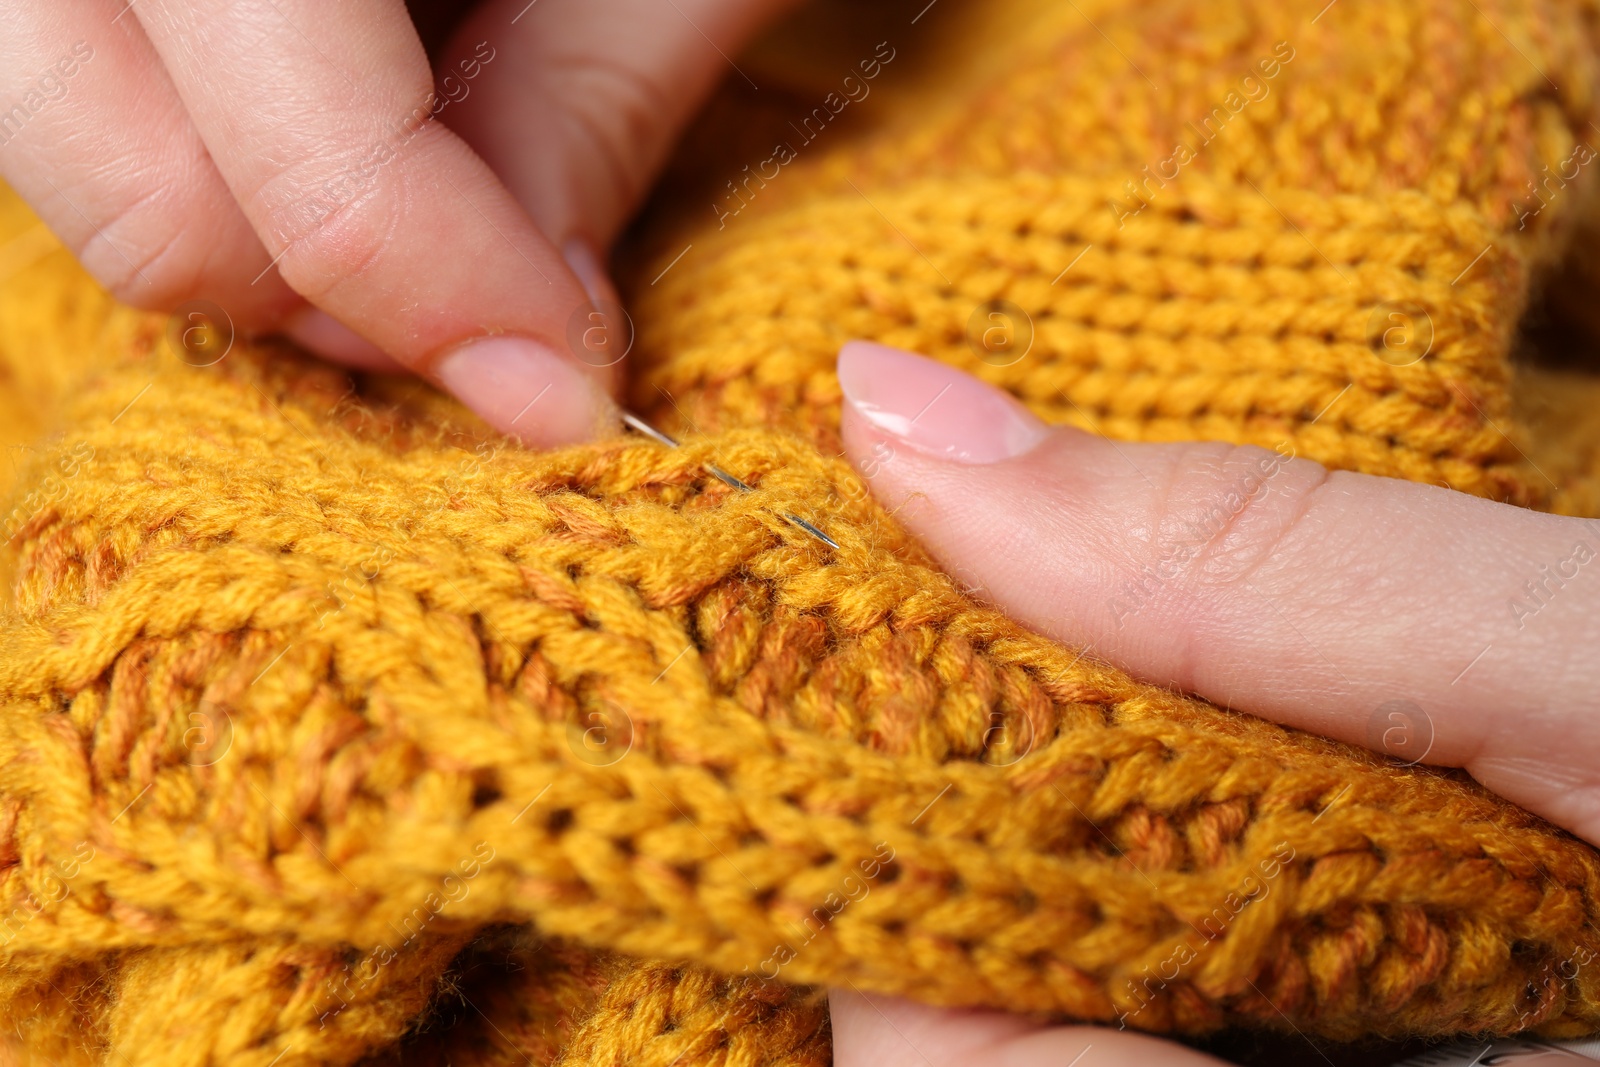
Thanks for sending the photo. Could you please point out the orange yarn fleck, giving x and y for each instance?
(303, 682)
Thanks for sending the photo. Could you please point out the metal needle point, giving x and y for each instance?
(638, 425)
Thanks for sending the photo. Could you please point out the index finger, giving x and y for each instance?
(320, 119)
(1424, 623)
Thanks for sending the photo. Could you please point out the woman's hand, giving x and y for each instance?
(281, 160)
(1421, 622)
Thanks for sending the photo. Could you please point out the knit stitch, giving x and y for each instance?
(334, 727)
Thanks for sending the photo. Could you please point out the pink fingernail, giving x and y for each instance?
(590, 269)
(523, 388)
(935, 408)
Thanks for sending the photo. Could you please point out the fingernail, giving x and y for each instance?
(320, 332)
(935, 408)
(590, 269)
(523, 388)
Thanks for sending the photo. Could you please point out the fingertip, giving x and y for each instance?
(877, 1031)
(600, 332)
(524, 389)
(934, 408)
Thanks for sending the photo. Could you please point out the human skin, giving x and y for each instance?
(1259, 581)
(291, 162)
(264, 155)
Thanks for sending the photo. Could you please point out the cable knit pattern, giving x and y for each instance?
(336, 729)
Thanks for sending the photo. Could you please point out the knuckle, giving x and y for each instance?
(329, 216)
(328, 231)
(1228, 508)
(139, 256)
(612, 111)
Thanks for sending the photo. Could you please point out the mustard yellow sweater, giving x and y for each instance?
(334, 728)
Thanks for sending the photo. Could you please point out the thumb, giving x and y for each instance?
(573, 105)
(1424, 623)
(587, 97)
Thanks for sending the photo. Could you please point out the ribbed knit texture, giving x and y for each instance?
(304, 682)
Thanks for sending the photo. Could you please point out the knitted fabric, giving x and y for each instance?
(334, 727)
